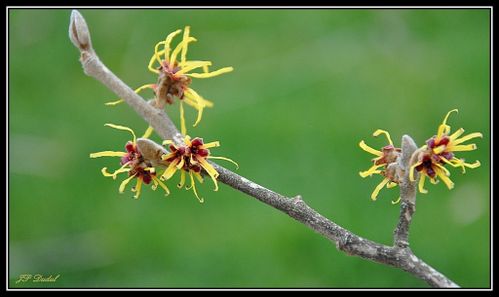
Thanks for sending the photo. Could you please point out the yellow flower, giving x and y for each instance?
(388, 155)
(175, 73)
(133, 163)
(439, 150)
(191, 158)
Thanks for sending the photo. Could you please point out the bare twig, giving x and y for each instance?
(399, 256)
(407, 194)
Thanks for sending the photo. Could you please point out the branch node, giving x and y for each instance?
(343, 243)
(297, 200)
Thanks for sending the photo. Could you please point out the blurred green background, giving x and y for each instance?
(308, 85)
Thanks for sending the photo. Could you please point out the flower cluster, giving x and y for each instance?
(191, 158)
(429, 160)
(439, 150)
(133, 163)
(143, 159)
(383, 163)
(175, 76)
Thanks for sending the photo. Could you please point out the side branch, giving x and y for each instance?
(407, 194)
(345, 240)
(295, 207)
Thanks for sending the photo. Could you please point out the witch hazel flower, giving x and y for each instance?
(133, 164)
(191, 158)
(384, 163)
(439, 150)
(175, 76)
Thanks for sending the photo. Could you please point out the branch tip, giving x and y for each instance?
(408, 148)
(78, 32)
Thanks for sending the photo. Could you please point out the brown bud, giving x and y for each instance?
(151, 151)
(78, 32)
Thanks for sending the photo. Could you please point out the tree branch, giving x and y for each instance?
(399, 256)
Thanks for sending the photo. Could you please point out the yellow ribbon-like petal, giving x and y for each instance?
(472, 165)
(442, 175)
(187, 140)
(125, 182)
(167, 43)
(207, 166)
(137, 188)
(183, 128)
(179, 47)
(200, 115)
(411, 171)
(371, 171)
(369, 149)
(155, 58)
(214, 182)
(196, 99)
(391, 185)
(454, 162)
(170, 170)
(191, 65)
(462, 148)
(107, 154)
(183, 55)
(456, 134)
(148, 132)
(225, 159)
(181, 163)
(378, 188)
(448, 114)
(193, 186)
(467, 137)
(123, 128)
(192, 98)
(421, 184)
(168, 156)
(439, 149)
(211, 144)
(157, 181)
(182, 179)
(442, 168)
(211, 74)
(116, 172)
(113, 103)
(397, 201)
(379, 131)
(138, 90)
(198, 176)
(444, 128)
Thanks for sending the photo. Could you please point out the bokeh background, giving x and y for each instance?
(308, 85)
